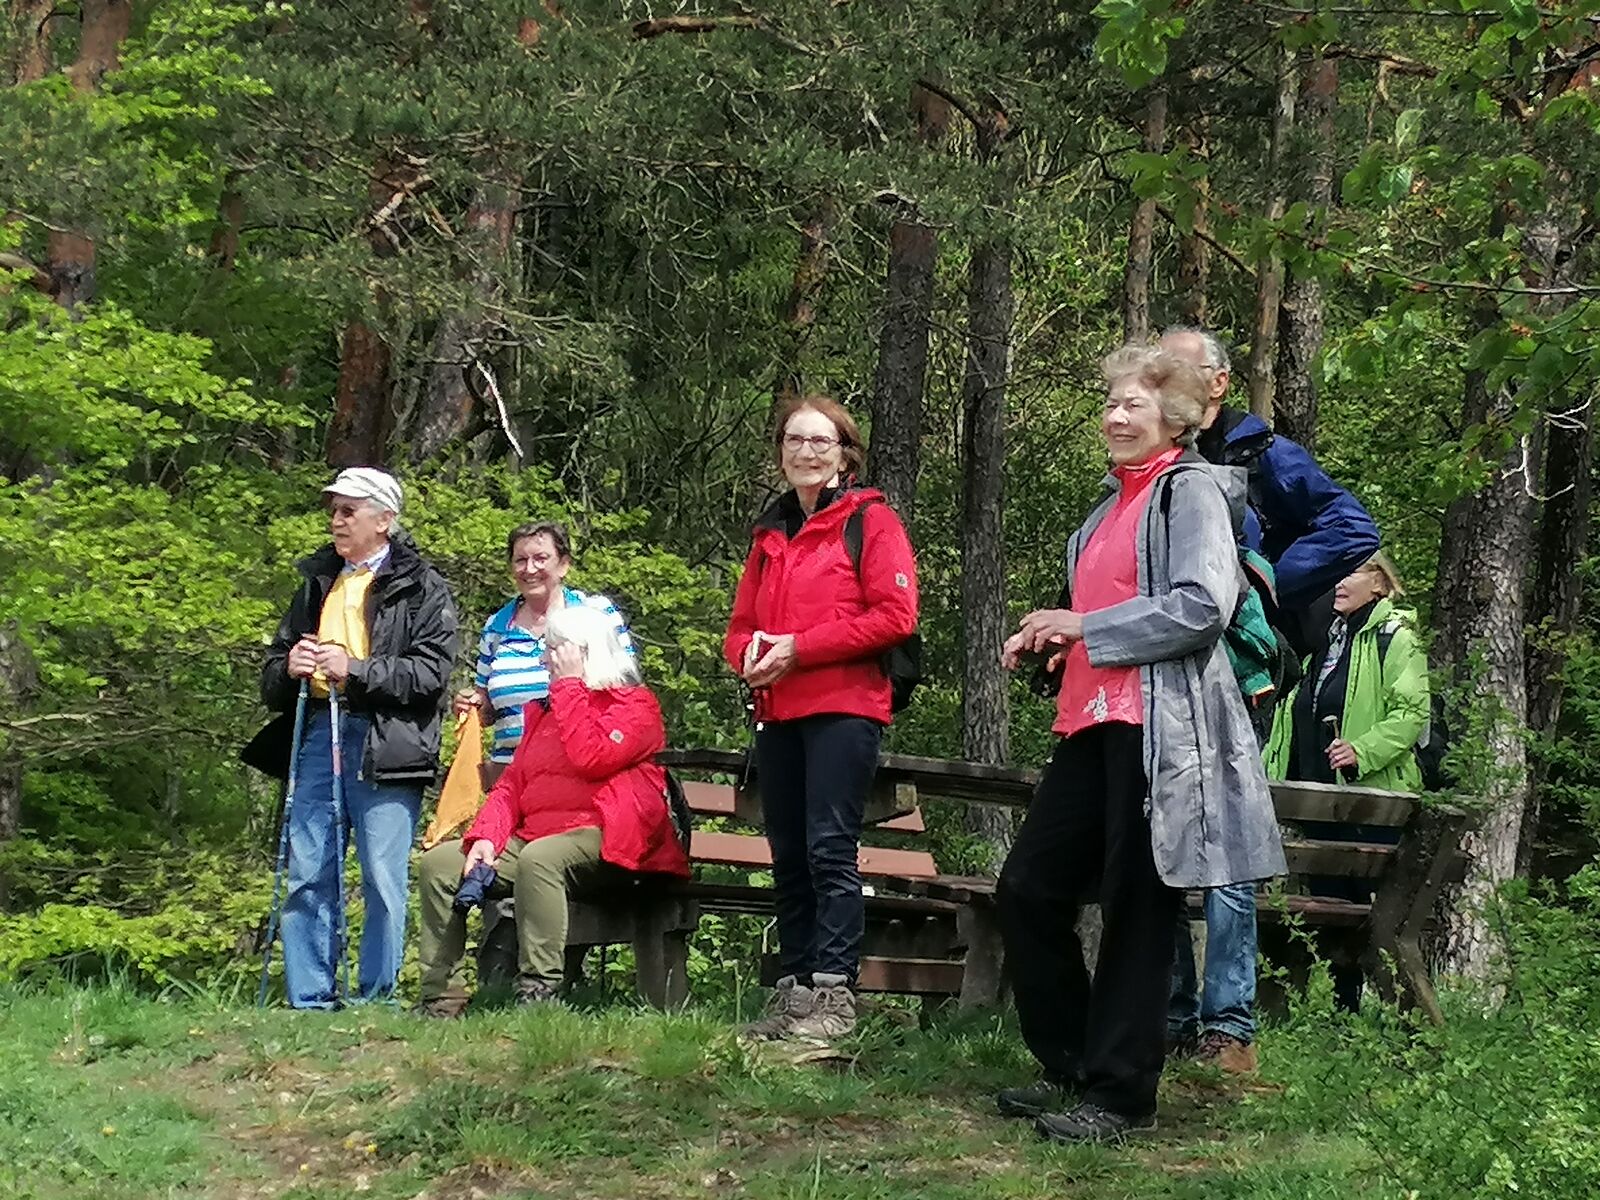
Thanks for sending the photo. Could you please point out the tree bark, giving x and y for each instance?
(1302, 319)
(448, 398)
(1194, 252)
(105, 25)
(800, 309)
(363, 410)
(70, 253)
(901, 380)
(1556, 241)
(1141, 231)
(1485, 553)
(30, 19)
(1556, 601)
(17, 681)
(1269, 280)
(230, 221)
(985, 699)
(358, 434)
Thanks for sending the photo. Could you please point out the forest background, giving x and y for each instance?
(561, 260)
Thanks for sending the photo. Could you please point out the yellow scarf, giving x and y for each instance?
(344, 620)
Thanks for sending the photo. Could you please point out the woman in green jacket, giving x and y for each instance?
(1364, 700)
(1358, 712)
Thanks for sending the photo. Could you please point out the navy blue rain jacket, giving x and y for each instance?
(1313, 531)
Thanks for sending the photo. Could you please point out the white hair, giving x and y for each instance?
(1216, 349)
(380, 508)
(606, 661)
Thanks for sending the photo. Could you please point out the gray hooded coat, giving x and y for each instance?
(1211, 814)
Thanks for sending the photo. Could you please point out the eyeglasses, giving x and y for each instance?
(794, 443)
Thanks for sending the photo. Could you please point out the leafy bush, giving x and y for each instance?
(1504, 1098)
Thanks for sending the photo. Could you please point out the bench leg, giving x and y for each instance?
(978, 925)
(497, 951)
(1423, 861)
(661, 958)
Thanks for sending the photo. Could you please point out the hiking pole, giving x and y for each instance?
(280, 870)
(1330, 731)
(341, 932)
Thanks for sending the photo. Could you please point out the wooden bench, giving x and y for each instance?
(934, 934)
(914, 943)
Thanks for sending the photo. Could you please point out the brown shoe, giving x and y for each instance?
(791, 1001)
(441, 1008)
(1226, 1052)
(833, 1011)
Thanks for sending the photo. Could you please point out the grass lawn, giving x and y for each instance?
(105, 1094)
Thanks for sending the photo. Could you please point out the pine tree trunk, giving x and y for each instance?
(985, 700)
(17, 680)
(1556, 241)
(1556, 601)
(1485, 553)
(1269, 280)
(363, 402)
(901, 379)
(30, 19)
(800, 309)
(1141, 231)
(70, 253)
(448, 400)
(1194, 252)
(1302, 320)
(358, 434)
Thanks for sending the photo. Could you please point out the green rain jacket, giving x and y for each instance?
(1386, 704)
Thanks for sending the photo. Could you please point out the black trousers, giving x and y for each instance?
(1086, 837)
(815, 774)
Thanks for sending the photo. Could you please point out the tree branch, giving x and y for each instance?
(39, 277)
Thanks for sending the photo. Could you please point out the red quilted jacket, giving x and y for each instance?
(586, 761)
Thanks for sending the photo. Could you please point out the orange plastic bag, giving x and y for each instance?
(462, 794)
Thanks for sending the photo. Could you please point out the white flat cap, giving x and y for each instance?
(367, 483)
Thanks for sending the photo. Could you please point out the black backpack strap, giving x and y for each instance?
(855, 533)
(1385, 635)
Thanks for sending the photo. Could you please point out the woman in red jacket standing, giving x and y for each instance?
(581, 797)
(808, 634)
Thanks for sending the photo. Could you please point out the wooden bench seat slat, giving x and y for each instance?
(718, 799)
(745, 897)
(742, 850)
(1357, 860)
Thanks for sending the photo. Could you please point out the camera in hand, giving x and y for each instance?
(474, 887)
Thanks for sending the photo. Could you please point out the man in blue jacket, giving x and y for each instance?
(1315, 533)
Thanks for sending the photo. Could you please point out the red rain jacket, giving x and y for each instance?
(586, 762)
(842, 623)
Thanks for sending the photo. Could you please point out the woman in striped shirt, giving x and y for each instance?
(512, 672)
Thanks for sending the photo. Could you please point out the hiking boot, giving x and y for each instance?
(441, 1008)
(535, 991)
(791, 1000)
(1183, 1043)
(1227, 1053)
(833, 1011)
(1048, 1095)
(1091, 1123)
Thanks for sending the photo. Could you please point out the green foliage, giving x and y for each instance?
(1503, 1098)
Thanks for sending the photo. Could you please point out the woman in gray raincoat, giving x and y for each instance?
(1156, 784)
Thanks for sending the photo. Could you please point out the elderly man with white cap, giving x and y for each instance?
(375, 622)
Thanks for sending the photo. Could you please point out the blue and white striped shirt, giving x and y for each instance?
(511, 666)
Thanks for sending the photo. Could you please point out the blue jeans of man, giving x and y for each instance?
(1227, 1004)
(383, 818)
(815, 773)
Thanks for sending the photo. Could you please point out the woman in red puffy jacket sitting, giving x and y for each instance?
(581, 798)
(808, 634)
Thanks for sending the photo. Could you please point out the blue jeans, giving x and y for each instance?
(384, 820)
(1228, 1003)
